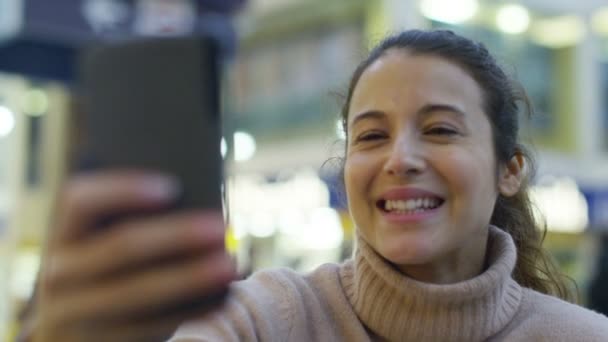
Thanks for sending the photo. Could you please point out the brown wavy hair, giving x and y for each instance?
(504, 98)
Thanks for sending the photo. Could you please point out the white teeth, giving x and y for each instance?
(415, 204)
(401, 205)
(410, 205)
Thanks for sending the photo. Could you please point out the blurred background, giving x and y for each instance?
(282, 96)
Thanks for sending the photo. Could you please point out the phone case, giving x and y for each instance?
(153, 104)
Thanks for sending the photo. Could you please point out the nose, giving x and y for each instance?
(405, 158)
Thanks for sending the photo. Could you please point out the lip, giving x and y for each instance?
(406, 193)
(395, 217)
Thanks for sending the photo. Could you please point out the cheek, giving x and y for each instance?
(352, 173)
(470, 171)
(358, 175)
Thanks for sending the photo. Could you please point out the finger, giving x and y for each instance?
(88, 198)
(136, 242)
(152, 328)
(157, 328)
(148, 330)
(150, 290)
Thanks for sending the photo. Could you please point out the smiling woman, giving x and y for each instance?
(437, 185)
(467, 141)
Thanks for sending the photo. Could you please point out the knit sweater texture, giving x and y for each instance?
(366, 299)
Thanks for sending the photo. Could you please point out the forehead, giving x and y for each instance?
(404, 81)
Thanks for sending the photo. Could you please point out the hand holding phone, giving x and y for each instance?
(136, 279)
(152, 164)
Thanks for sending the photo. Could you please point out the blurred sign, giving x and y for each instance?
(74, 21)
(40, 38)
(77, 21)
(165, 17)
(597, 200)
(105, 15)
(10, 18)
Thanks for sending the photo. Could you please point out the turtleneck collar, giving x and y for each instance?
(398, 308)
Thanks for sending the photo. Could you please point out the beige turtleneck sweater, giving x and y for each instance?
(366, 299)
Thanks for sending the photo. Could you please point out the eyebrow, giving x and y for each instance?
(425, 110)
(370, 114)
(430, 108)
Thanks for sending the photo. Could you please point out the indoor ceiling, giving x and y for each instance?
(563, 6)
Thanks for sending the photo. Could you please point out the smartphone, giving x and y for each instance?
(153, 104)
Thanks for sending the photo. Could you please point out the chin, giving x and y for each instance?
(403, 253)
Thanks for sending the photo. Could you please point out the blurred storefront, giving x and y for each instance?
(32, 115)
(283, 98)
(556, 49)
(549, 65)
(39, 45)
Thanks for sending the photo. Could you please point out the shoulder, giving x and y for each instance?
(562, 319)
(288, 281)
(294, 291)
(256, 304)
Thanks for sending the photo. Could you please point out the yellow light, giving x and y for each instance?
(7, 121)
(513, 19)
(25, 269)
(262, 225)
(340, 130)
(223, 148)
(449, 11)
(324, 229)
(35, 102)
(244, 146)
(558, 32)
(319, 228)
(231, 241)
(562, 205)
(599, 21)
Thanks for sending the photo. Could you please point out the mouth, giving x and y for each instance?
(410, 206)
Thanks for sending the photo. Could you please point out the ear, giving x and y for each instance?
(511, 175)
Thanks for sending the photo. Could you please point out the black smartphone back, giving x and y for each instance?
(153, 104)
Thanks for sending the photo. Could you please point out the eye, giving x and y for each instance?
(441, 130)
(370, 136)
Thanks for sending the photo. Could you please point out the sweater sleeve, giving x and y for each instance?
(257, 309)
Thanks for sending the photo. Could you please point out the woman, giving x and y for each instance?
(435, 179)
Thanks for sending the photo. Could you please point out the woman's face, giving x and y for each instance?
(420, 170)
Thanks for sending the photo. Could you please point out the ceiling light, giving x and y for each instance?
(599, 21)
(223, 148)
(562, 205)
(340, 130)
(7, 121)
(35, 102)
(244, 146)
(513, 19)
(558, 32)
(449, 11)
